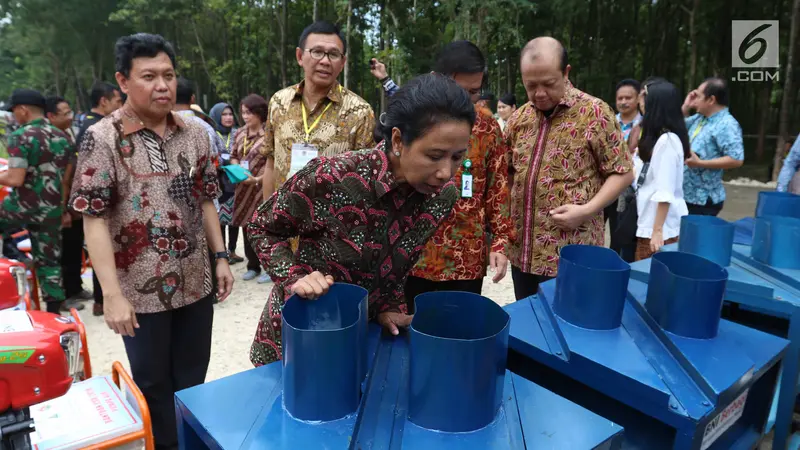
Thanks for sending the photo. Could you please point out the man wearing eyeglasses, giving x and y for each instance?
(316, 117)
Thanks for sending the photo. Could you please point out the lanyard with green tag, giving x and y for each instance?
(697, 130)
(466, 179)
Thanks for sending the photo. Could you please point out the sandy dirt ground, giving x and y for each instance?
(235, 319)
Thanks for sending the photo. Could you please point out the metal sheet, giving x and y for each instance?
(776, 242)
(591, 287)
(324, 336)
(681, 282)
(771, 203)
(707, 236)
(456, 333)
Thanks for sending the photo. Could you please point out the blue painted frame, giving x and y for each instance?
(243, 411)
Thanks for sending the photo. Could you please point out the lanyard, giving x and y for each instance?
(228, 141)
(316, 122)
(245, 147)
(697, 130)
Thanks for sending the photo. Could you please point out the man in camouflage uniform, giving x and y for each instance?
(38, 157)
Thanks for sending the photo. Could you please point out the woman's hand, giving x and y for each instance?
(393, 320)
(313, 285)
(656, 240)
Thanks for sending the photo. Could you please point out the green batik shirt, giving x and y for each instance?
(44, 151)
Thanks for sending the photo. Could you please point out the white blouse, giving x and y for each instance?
(662, 184)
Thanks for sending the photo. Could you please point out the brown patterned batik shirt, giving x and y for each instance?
(559, 160)
(347, 124)
(150, 190)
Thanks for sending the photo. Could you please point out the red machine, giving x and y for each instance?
(39, 357)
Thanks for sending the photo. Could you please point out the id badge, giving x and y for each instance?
(466, 185)
(302, 154)
(245, 165)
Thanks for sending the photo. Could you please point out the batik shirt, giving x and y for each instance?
(346, 124)
(150, 190)
(355, 222)
(713, 137)
(560, 160)
(458, 250)
(44, 152)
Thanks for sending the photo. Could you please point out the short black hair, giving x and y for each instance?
(629, 82)
(100, 91)
(321, 27)
(257, 105)
(140, 45)
(423, 102)
(51, 104)
(717, 87)
(460, 57)
(184, 92)
(509, 99)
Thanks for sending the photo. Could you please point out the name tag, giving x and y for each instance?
(245, 165)
(302, 154)
(225, 156)
(466, 185)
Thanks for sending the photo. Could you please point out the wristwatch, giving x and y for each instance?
(222, 255)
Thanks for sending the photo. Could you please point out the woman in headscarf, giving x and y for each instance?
(225, 124)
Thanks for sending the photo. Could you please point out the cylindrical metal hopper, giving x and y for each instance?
(458, 347)
(324, 353)
(707, 236)
(591, 286)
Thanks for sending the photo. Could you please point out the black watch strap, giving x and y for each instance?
(222, 255)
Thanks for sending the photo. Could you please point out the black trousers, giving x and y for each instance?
(252, 257)
(709, 209)
(169, 353)
(526, 284)
(72, 258)
(233, 237)
(416, 286)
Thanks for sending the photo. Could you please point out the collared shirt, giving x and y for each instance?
(628, 127)
(713, 137)
(217, 146)
(347, 124)
(791, 167)
(355, 223)
(247, 149)
(458, 249)
(150, 190)
(558, 160)
(44, 152)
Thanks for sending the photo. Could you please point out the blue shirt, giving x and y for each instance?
(627, 128)
(790, 166)
(713, 137)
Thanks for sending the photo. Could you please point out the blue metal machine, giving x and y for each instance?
(763, 291)
(344, 384)
(652, 356)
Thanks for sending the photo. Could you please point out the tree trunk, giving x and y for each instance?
(693, 38)
(284, 23)
(200, 49)
(382, 47)
(316, 10)
(788, 90)
(347, 38)
(763, 123)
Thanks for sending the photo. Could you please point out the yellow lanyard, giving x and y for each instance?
(316, 122)
(697, 130)
(245, 147)
(228, 141)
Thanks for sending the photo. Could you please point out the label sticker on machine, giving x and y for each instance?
(724, 420)
(15, 322)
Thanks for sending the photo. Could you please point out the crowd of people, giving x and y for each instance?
(424, 197)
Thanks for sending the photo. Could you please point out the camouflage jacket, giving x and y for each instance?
(44, 151)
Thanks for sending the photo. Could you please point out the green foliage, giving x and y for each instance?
(231, 48)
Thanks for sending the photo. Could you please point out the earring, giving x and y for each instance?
(397, 154)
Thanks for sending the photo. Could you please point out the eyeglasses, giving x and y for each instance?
(333, 55)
